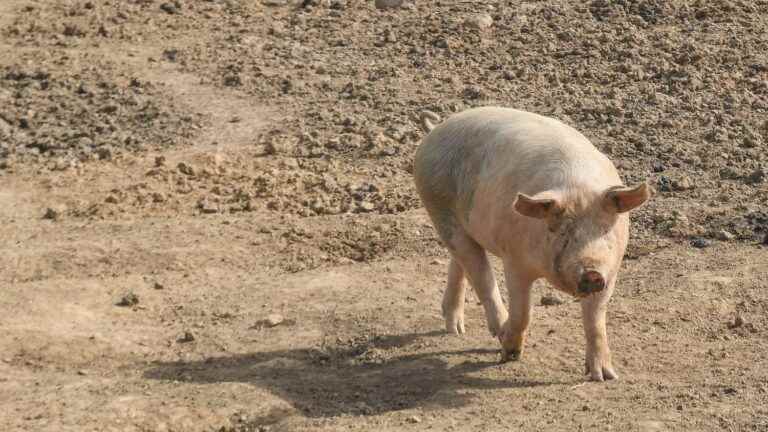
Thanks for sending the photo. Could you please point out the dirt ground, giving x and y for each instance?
(208, 221)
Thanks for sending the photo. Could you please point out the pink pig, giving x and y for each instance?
(536, 193)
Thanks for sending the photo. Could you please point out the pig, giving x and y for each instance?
(536, 193)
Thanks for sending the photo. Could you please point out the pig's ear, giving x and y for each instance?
(538, 208)
(622, 199)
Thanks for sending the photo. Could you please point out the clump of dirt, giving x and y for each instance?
(68, 109)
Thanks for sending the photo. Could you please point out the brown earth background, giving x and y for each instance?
(208, 221)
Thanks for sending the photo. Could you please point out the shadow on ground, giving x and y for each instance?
(329, 383)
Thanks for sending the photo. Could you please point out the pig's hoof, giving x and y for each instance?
(454, 325)
(601, 373)
(496, 323)
(510, 355)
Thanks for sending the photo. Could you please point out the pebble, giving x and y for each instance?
(187, 337)
(757, 176)
(51, 213)
(185, 168)
(274, 320)
(414, 419)
(128, 299)
(366, 206)
(550, 300)
(480, 21)
(388, 4)
(700, 243)
(683, 184)
(169, 8)
(724, 235)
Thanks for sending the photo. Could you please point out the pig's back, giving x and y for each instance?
(524, 151)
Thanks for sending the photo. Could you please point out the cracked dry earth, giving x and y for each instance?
(208, 223)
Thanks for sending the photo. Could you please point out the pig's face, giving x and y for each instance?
(586, 233)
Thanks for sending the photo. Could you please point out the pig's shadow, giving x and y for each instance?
(352, 381)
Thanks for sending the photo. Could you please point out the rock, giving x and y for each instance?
(757, 176)
(186, 337)
(104, 152)
(550, 300)
(724, 235)
(61, 164)
(479, 21)
(765, 239)
(413, 419)
(737, 322)
(51, 213)
(170, 8)
(274, 2)
(111, 199)
(274, 320)
(82, 372)
(158, 286)
(665, 184)
(388, 4)
(128, 299)
(658, 167)
(206, 207)
(186, 169)
(682, 184)
(728, 173)
(366, 206)
(159, 161)
(700, 243)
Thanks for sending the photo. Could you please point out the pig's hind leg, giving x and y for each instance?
(470, 259)
(453, 299)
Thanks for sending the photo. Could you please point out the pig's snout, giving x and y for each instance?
(591, 282)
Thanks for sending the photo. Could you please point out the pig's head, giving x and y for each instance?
(586, 233)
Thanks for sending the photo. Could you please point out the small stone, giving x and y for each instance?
(724, 235)
(206, 207)
(366, 206)
(274, 320)
(159, 161)
(414, 419)
(187, 337)
(737, 322)
(111, 199)
(765, 239)
(729, 173)
(82, 372)
(169, 8)
(104, 153)
(757, 176)
(665, 184)
(700, 243)
(682, 184)
(479, 22)
(158, 286)
(185, 168)
(550, 300)
(388, 4)
(658, 167)
(51, 213)
(127, 300)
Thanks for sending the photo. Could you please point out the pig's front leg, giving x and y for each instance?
(598, 361)
(512, 337)
(474, 261)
